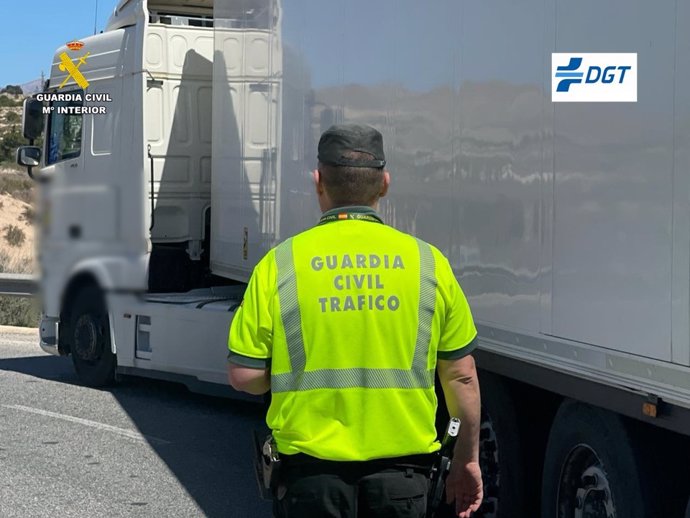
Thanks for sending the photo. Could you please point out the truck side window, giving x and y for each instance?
(64, 132)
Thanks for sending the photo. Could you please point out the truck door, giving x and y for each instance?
(64, 164)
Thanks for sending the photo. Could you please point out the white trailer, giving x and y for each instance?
(568, 225)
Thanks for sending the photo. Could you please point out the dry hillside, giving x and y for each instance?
(17, 236)
(16, 193)
(16, 223)
(10, 116)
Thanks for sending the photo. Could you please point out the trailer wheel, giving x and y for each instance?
(91, 349)
(590, 469)
(500, 452)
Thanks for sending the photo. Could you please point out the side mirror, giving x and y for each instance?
(29, 156)
(32, 119)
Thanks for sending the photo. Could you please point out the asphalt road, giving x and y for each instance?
(142, 448)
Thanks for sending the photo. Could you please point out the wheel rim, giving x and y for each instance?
(583, 489)
(488, 460)
(87, 343)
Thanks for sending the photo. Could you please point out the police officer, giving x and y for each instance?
(345, 324)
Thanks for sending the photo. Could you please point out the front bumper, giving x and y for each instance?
(48, 333)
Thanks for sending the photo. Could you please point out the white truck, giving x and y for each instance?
(568, 224)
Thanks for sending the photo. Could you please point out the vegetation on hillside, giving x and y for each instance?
(10, 128)
(11, 101)
(7, 102)
(12, 90)
(17, 311)
(14, 235)
(28, 215)
(17, 185)
(12, 118)
(11, 140)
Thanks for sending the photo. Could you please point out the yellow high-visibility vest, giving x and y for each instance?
(350, 317)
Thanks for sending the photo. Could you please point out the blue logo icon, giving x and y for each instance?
(594, 74)
(568, 72)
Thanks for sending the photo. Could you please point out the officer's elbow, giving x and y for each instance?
(252, 381)
(462, 370)
(233, 379)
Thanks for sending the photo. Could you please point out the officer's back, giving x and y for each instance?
(345, 323)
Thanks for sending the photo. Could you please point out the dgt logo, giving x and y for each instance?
(593, 77)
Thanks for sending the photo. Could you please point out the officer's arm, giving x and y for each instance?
(461, 391)
(247, 379)
(250, 340)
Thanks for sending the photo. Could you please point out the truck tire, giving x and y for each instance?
(591, 467)
(501, 450)
(91, 348)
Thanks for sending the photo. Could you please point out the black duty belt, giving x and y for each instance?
(301, 462)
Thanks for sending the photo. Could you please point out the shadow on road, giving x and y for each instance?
(52, 368)
(210, 451)
(208, 445)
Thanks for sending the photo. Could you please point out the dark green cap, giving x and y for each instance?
(337, 140)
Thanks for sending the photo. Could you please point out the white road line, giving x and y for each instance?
(93, 424)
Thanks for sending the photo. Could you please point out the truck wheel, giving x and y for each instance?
(500, 452)
(91, 349)
(590, 469)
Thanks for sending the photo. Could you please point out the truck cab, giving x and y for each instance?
(127, 175)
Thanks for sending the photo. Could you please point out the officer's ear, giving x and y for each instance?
(386, 184)
(318, 183)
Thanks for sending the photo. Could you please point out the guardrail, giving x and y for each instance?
(18, 284)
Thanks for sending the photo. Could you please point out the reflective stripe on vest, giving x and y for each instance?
(417, 376)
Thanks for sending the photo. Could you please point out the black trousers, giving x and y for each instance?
(351, 490)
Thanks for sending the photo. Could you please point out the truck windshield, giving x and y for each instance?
(64, 131)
